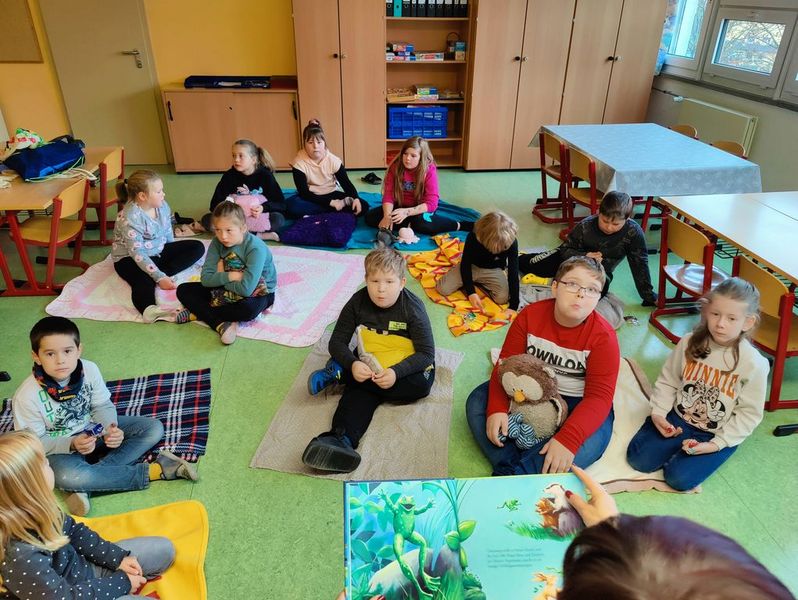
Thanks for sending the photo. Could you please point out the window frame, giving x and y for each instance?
(789, 88)
(690, 67)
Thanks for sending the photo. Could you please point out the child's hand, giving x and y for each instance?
(167, 283)
(84, 444)
(114, 436)
(256, 211)
(136, 582)
(337, 204)
(496, 424)
(242, 189)
(510, 314)
(693, 447)
(357, 207)
(475, 301)
(399, 214)
(664, 427)
(595, 255)
(385, 222)
(131, 566)
(235, 275)
(600, 506)
(558, 458)
(386, 379)
(361, 371)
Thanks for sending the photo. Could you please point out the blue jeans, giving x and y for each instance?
(649, 451)
(510, 460)
(155, 555)
(115, 471)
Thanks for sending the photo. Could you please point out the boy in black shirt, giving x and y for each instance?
(394, 361)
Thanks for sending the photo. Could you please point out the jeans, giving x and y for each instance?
(155, 555)
(649, 451)
(116, 470)
(510, 460)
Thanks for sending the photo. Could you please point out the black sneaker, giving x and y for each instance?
(371, 178)
(332, 453)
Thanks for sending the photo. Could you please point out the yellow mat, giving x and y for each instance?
(186, 524)
(430, 266)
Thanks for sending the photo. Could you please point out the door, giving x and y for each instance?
(270, 120)
(101, 54)
(318, 68)
(494, 90)
(362, 27)
(200, 126)
(635, 57)
(547, 36)
(590, 60)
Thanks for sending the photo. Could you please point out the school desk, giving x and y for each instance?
(23, 196)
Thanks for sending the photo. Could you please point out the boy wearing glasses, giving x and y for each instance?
(582, 348)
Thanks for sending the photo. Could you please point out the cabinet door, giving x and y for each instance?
(590, 60)
(635, 57)
(269, 119)
(200, 128)
(496, 53)
(362, 25)
(547, 36)
(318, 67)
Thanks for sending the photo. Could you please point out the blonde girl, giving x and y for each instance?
(45, 553)
(488, 251)
(320, 177)
(710, 394)
(144, 249)
(410, 193)
(238, 279)
(250, 182)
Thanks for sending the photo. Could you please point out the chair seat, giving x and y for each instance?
(582, 195)
(94, 197)
(691, 277)
(37, 230)
(554, 171)
(767, 333)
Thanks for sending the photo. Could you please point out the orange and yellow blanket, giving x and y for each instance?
(430, 266)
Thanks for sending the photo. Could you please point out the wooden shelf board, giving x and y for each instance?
(427, 18)
(426, 62)
(422, 102)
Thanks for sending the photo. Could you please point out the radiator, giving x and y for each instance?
(715, 122)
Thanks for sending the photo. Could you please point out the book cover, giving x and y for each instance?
(397, 8)
(421, 11)
(477, 539)
(388, 8)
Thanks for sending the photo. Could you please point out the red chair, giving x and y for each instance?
(580, 166)
(112, 167)
(777, 333)
(692, 279)
(553, 163)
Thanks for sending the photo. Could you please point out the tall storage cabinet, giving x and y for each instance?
(340, 57)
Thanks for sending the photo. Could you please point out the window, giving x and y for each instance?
(684, 32)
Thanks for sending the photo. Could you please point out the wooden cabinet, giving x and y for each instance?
(539, 62)
(203, 124)
(340, 56)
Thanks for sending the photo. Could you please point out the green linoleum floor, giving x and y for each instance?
(275, 535)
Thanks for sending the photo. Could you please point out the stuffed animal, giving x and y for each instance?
(536, 408)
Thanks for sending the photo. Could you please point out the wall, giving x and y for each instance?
(774, 147)
(248, 37)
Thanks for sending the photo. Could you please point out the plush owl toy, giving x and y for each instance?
(536, 407)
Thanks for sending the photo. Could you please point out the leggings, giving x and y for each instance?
(197, 298)
(428, 223)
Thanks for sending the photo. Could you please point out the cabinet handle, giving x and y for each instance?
(169, 110)
(343, 55)
(524, 59)
(610, 58)
(335, 55)
(516, 58)
(616, 58)
(293, 108)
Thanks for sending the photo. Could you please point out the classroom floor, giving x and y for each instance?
(275, 535)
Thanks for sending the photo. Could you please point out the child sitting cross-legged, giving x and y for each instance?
(395, 360)
(90, 448)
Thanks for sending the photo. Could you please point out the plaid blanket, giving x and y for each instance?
(181, 401)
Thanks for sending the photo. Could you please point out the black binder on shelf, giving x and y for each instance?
(439, 8)
(413, 8)
(406, 8)
(388, 8)
(448, 8)
(421, 11)
(462, 8)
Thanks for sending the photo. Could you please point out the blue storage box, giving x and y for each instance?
(426, 121)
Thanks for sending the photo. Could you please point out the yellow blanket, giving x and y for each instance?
(430, 266)
(186, 524)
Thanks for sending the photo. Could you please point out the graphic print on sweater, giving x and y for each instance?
(704, 389)
(569, 365)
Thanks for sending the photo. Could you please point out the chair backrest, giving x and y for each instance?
(114, 164)
(73, 199)
(685, 129)
(552, 147)
(686, 241)
(581, 165)
(735, 148)
(771, 289)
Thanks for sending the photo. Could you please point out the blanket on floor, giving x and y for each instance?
(185, 524)
(181, 401)
(312, 287)
(403, 441)
(429, 267)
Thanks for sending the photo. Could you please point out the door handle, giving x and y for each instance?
(516, 58)
(169, 110)
(335, 55)
(135, 54)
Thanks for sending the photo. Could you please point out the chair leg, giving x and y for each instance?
(102, 210)
(647, 212)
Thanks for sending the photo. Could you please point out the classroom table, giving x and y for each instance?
(22, 196)
(645, 159)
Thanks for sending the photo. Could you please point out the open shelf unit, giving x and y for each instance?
(428, 34)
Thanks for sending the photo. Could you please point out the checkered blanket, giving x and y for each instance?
(181, 401)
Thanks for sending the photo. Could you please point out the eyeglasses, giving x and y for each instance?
(575, 288)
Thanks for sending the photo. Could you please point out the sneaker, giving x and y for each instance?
(184, 316)
(269, 236)
(333, 453)
(174, 467)
(371, 178)
(324, 378)
(78, 503)
(156, 313)
(228, 332)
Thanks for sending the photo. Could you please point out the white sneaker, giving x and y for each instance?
(157, 313)
(78, 503)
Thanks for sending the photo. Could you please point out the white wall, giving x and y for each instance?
(775, 144)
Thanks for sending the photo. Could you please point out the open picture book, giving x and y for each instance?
(477, 539)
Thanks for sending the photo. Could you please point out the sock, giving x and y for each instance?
(155, 472)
